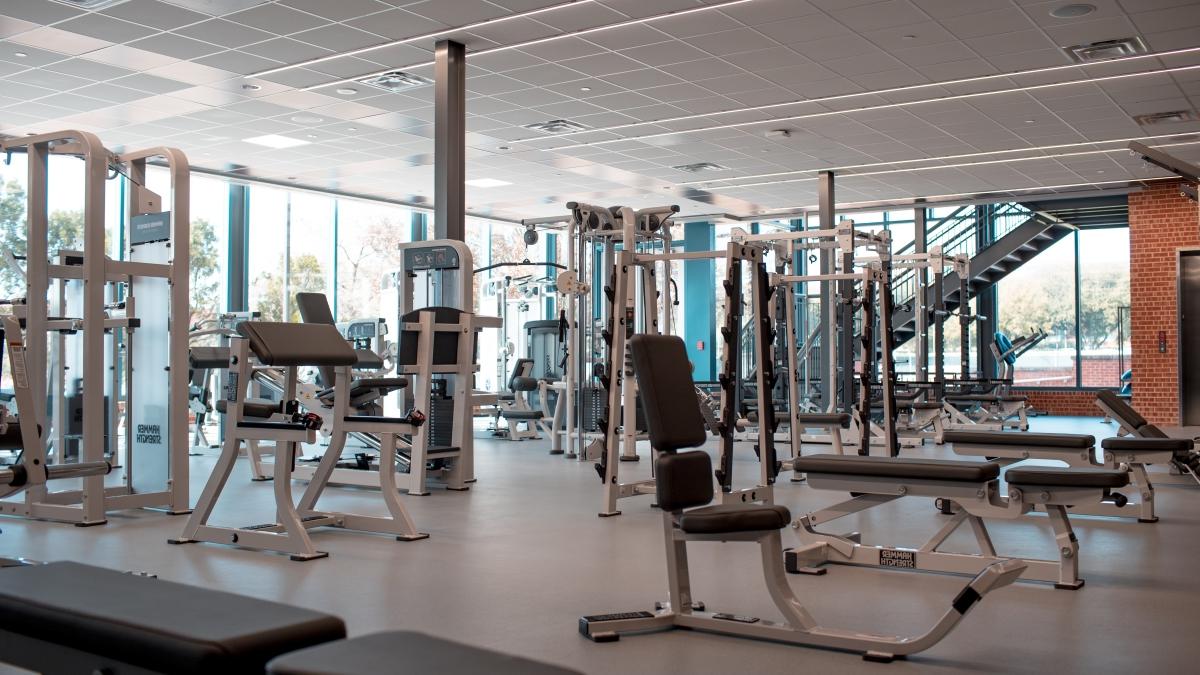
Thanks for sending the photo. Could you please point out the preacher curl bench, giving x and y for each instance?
(684, 488)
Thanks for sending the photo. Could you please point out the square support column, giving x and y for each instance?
(450, 140)
(700, 295)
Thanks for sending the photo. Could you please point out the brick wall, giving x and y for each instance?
(1161, 221)
(1062, 401)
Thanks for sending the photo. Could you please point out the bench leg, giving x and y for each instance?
(1140, 480)
(1068, 548)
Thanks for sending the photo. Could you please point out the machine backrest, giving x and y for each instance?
(445, 343)
(1124, 412)
(1004, 344)
(314, 308)
(520, 379)
(673, 420)
(298, 344)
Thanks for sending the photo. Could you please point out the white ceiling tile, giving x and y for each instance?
(129, 57)
(62, 41)
(224, 33)
(155, 14)
(338, 11)
(176, 46)
(104, 27)
(276, 19)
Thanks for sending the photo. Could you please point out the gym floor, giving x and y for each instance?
(513, 563)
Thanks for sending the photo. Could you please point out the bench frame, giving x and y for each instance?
(966, 503)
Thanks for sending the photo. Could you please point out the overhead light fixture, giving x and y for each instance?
(92, 5)
(276, 141)
(347, 91)
(516, 45)
(395, 81)
(487, 182)
(1072, 11)
(307, 119)
(20, 55)
(700, 167)
(585, 89)
(251, 87)
(1106, 50)
(554, 127)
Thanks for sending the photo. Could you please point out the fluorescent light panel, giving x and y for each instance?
(276, 141)
(487, 182)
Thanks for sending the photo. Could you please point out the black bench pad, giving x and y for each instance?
(840, 419)
(253, 407)
(1022, 439)
(11, 438)
(157, 625)
(1133, 444)
(899, 467)
(209, 357)
(403, 652)
(522, 414)
(730, 518)
(1052, 478)
(1121, 408)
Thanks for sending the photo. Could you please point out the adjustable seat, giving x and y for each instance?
(515, 407)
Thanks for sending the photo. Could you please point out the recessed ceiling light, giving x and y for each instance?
(251, 87)
(347, 91)
(307, 119)
(291, 178)
(20, 55)
(1029, 121)
(276, 141)
(503, 147)
(909, 37)
(556, 127)
(310, 135)
(585, 89)
(487, 182)
(1073, 11)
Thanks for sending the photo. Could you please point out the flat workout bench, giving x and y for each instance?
(968, 491)
(1078, 450)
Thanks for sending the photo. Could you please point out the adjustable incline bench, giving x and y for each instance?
(65, 617)
(684, 488)
(1130, 455)
(1133, 424)
(514, 406)
(968, 490)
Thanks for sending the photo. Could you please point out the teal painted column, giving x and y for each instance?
(420, 223)
(700, 297)
(552, 272)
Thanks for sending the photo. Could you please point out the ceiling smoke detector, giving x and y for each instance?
(1073, 11)
(556, 127)
(1106, 49)
(396, 81)
(700, 167)
(1168, 117)
(90, 4)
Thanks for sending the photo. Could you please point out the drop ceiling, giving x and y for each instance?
(185, 73)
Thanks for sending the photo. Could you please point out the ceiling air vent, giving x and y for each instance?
(90, 4)
(396, 81)
(1169, 117)
(1106, 49)
(557, 127)
(700, 167)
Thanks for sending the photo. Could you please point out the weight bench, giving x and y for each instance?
(1078, 450)
(292, 346)
(66, 617)
(966, 490)
(514, 406)
(684, 488)
(1133, 424)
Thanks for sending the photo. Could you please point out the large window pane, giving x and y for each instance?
(209, 246)
(1040, 295)
(311, 248)
(267, 248)
(369, 237)
(1104, 291)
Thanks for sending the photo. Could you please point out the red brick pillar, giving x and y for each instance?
(1161, 221)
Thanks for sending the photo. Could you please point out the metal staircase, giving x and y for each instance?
(1017, 234)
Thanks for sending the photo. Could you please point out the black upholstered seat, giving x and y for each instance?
(1121, 409)
(253, 407)
(1048, 477)
(898, 467)
(731, 518)
(522, 414)
(156, 625)
(1179, 446)
(11, 438)
(297, 344)
(1023, 439)
(824, 419)
(403, 652)
(209, 357)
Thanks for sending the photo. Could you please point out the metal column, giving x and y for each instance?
(921, 296)
(238, 281)
(829, 381)
(450, 140)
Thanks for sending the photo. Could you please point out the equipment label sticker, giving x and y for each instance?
(20, 375)
(231, 387)
(894, 557)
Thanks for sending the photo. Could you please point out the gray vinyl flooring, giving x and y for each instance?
(515, 561)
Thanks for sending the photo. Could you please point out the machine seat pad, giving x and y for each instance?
(523, 383)
(521, 414)
(824, 419)
(403, 652)
(279, 426)
(899, 467)
(1179, 446)
(253, 407)
(375, 419)
(209, 357)
(506, 397)
(1121, 409)
(1052, 477)
(297, 344)
(366, 385)
(730, 518)
(368, 360)
(154, 624)
(925, 405)
(1023, 439)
